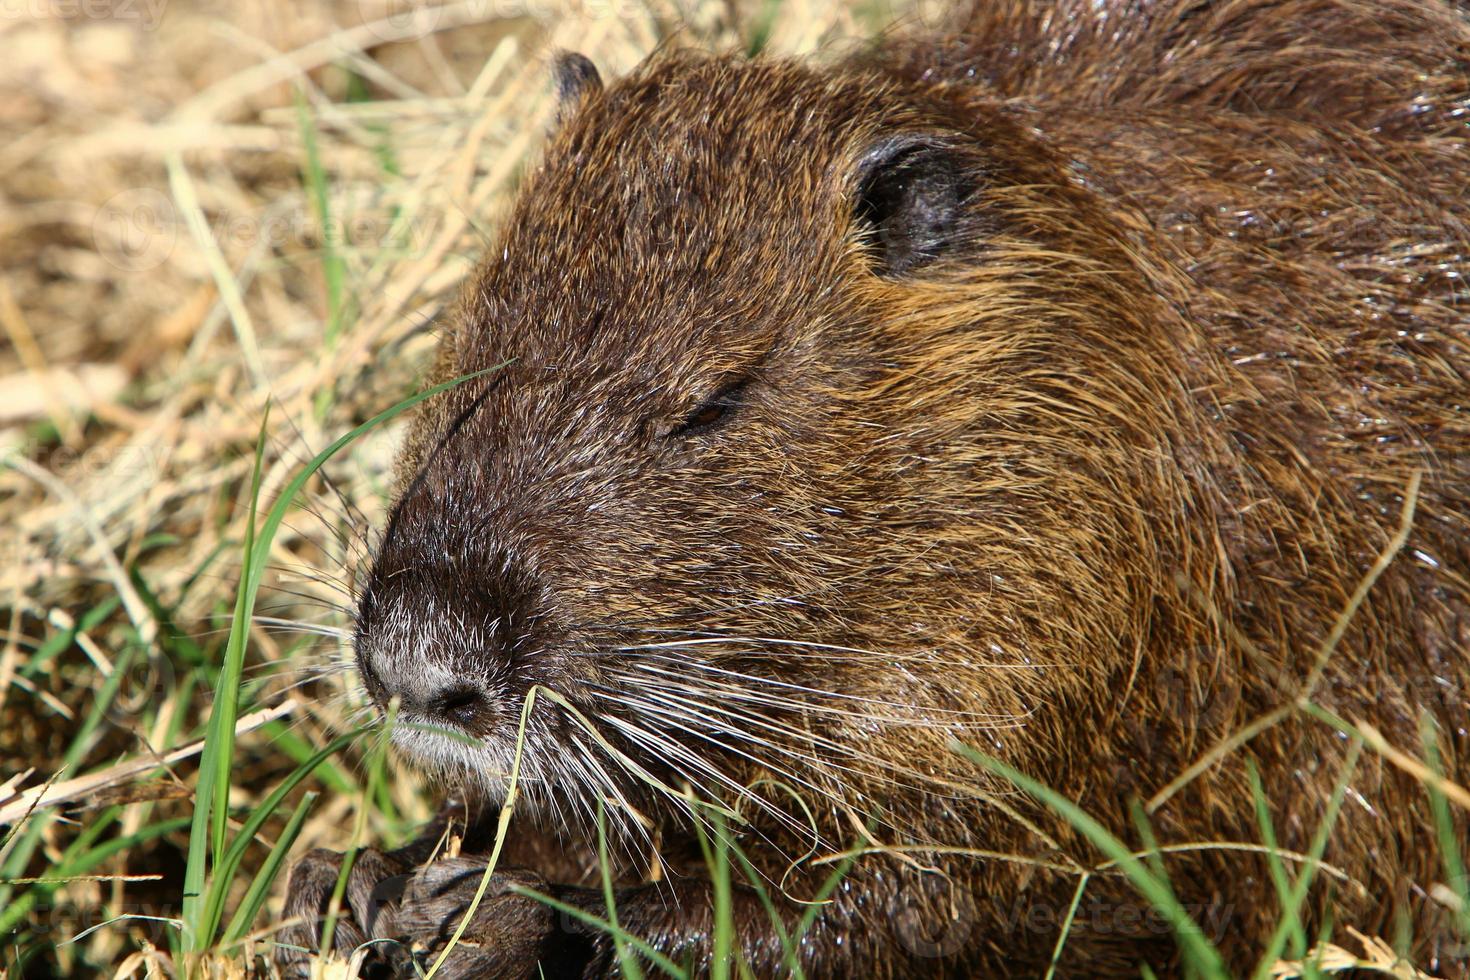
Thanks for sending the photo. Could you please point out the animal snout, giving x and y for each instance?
(459, 704)
(448, 637)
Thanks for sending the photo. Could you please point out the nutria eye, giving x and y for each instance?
(714, 411)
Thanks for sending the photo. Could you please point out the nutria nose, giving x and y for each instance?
(460, 704)
(427, 693)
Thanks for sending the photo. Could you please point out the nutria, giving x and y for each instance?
(1049, 387)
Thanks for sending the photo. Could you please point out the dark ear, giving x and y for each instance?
(575, 76)
(911, 201)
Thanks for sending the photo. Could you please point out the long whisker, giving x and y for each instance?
(1008, 720)
(296, 626)
(674, 752)
(864, 765)
(912, 717)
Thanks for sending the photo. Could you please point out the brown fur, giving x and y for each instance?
(1087, 486)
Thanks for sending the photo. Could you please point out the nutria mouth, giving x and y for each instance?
(1049, 387)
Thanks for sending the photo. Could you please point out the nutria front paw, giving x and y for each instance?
(505, 936)
(374, 885)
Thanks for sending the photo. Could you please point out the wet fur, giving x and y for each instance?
(1086, 484)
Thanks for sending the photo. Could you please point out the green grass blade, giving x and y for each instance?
(210, 801)
(1444, 827)
(1066, 930)
(334, 270)
(376, 760)
(266, 876)
(1280, 877)
(829, 886)
(229, 862)
(581, 915)
(1199, 952)
(788, 948)
(760, 32)
(214, 770)
(723, 950)
(331, 775)
(1300, 889)
(1151, 853)
(502, 828)
(226, 707)
(627, 962)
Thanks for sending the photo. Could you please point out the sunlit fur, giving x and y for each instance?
(1087, 491)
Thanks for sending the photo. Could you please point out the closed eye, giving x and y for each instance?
(715, 410)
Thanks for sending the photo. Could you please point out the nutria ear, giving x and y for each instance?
(575, 76)
(911, 196)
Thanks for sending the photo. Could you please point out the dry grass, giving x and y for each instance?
(206, 209)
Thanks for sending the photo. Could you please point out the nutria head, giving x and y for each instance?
(821, 438)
